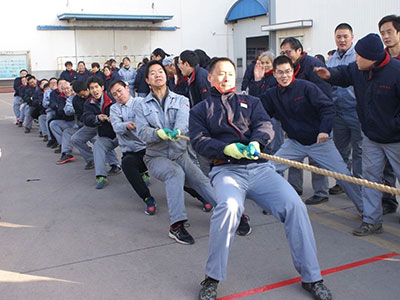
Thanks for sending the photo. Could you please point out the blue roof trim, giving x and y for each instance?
(104, 17)
(133, 28)
(246, 9)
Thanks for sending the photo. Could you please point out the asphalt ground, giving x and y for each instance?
(60, 238)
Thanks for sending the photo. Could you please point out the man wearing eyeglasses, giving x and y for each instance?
(306, 115)
(303, 69)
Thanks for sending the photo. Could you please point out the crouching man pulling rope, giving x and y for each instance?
(229, 128)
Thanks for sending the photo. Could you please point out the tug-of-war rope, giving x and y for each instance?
(338, 176)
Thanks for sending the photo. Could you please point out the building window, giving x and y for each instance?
(239, 63)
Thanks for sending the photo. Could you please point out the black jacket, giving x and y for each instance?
(199, 86)
(92, 108)
(378, 97)
(303, 109)
(221, 120)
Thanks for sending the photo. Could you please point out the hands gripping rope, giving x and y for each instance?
(258, 154)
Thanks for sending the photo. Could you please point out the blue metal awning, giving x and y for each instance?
(103, 17)
(246, 9)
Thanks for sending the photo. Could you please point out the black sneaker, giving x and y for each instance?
(387, 208)
(54, 145)
(318, 290)
(180, 234)
(45, 138)
(316, 200)
(336, 189)
(208, 289)
(65, 158)
(366, 229)
(115, 169)
(89, 165)
(20, 124)
(150, 206)
(50, 143)
(27, 130)
(244, 226)
(58, 150)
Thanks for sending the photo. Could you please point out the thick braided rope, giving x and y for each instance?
(338, 176)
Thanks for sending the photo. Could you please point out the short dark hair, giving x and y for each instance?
(282, 59)
(46, 85)
(52, 78)
(293, 42)
(68, 63)
(160, 52)
(60, 79)
(79, 86)
(81, 62)
(94, 79)
(120, 82)
(215, 60)
(96, 65)
(29, 77)
(390, 18)
(320, 57)
(126, 57)
(107, 67)
(41, 80)
(190, 57)
(344, 26)
(23, 70)
(204, 59)
(152, 63)
(331, 52)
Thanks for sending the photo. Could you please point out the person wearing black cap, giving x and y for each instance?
(375, 77)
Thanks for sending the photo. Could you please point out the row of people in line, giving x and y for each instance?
(229, 129)
(149, 130)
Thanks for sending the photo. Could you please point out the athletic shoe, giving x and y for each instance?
(388, 208)
(45, 138)
(336, 189)
(58, 150)
(180, 234)
(150, 206)
(17, 122)
(27, 130)
(50, 143)
(366, 229)
(65, 158)
(316, 200)
(20, 124)
(54, 145)
(318, 290)
(89, 165)
(146, 178)
(40, 134)
(101, 181)
(115, 169)
(209, 289)
(244, 226)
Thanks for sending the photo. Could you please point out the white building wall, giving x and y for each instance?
(241, 30)
(200, 24)
(362, 15)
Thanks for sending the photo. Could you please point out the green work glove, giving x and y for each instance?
(173, 135)
(235, 150)
(164, 133)
(251, 149)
